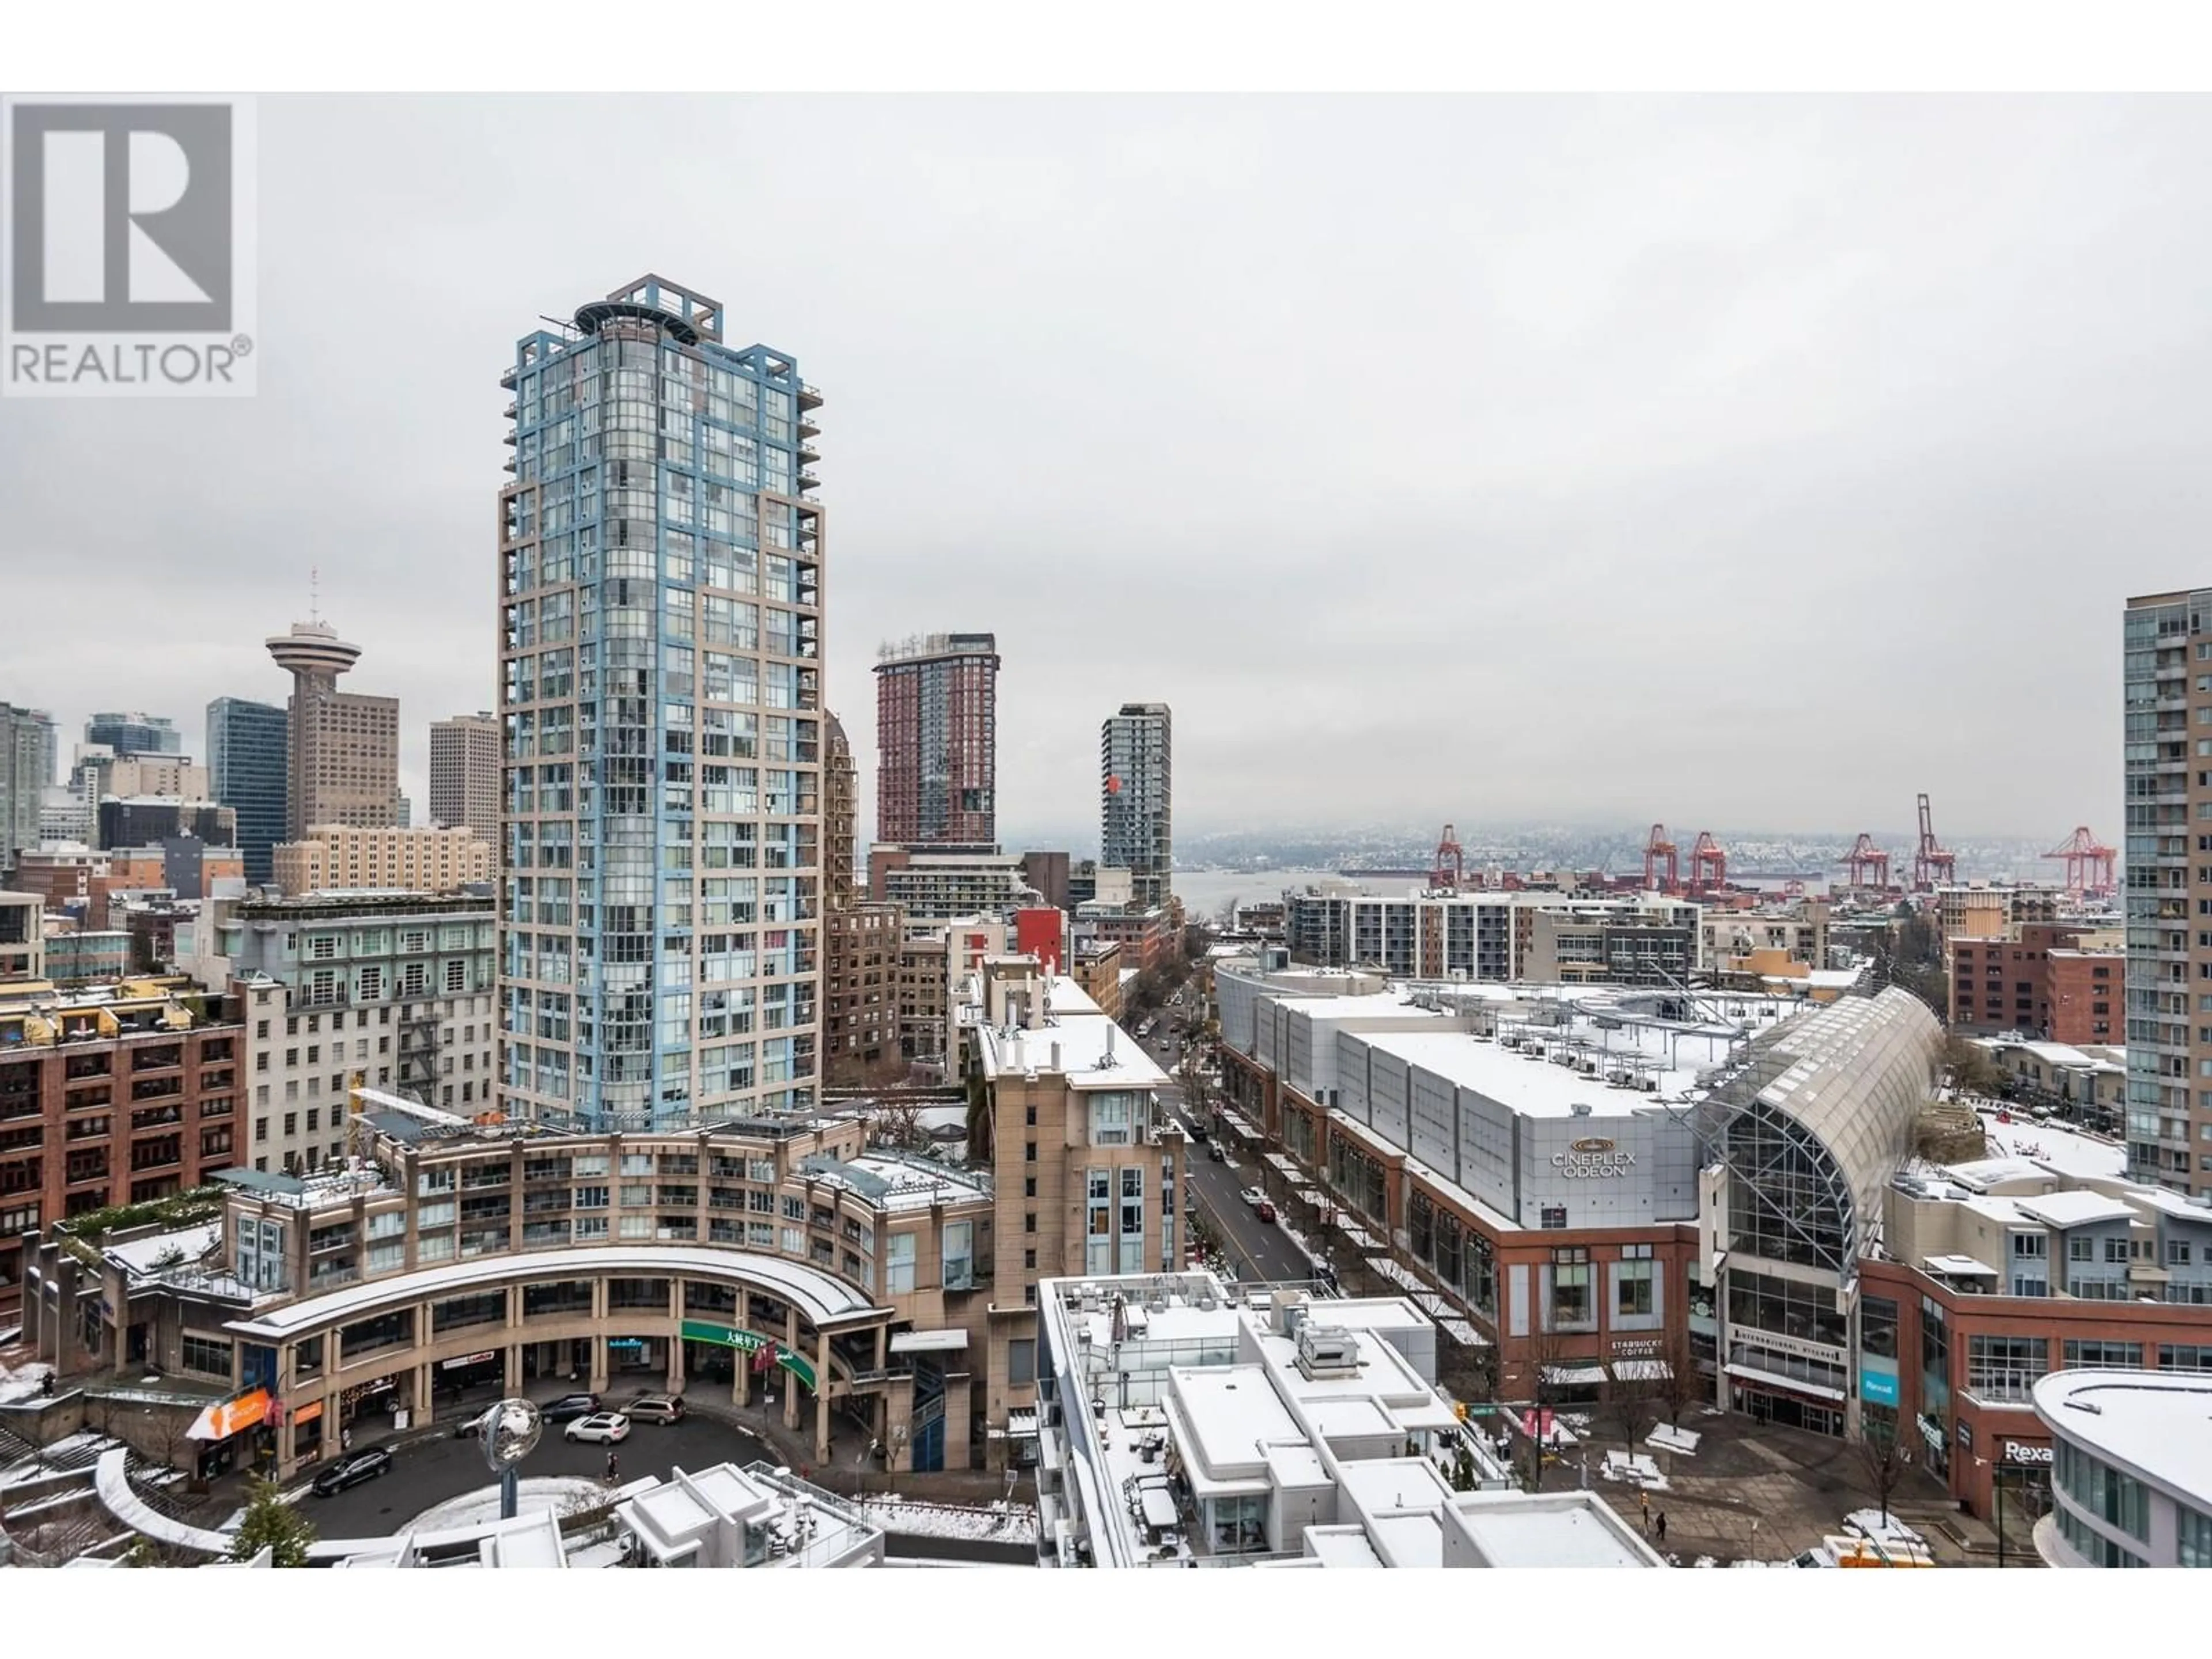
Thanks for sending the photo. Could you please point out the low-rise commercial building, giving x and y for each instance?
(1598, 1186)
(434, 860)
(522, 1255)
(2132, 1478)
(1993, 1272)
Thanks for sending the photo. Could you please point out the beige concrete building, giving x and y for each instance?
(932, 959)
(343, 754)
(1089, 1173)
(335, 856)
(22, 936)
(464, 764)
(157, 774)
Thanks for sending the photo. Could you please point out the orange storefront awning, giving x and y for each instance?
(220, 1422)
(307, 1413)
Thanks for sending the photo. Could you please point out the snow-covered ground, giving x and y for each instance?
(21, 1381)
(1683, 1443)
(78, 1450)
(1013, 1524)
(540, 1494)
(1636, 1469)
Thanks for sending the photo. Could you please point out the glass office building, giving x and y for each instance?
(660, 704)
(246, 759)
(131, 734)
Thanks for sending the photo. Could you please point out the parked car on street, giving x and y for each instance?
(1215, 1154)
(570, 1406)
(655, 1408)
(352, 1469)
(600, 1428)
(1255, 1197)
(1266, 1210)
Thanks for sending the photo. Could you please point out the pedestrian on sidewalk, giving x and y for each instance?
(1643, 1499)
(345, 1440)
(1663, 1526)
(614, 1468)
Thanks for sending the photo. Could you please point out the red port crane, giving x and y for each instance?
(1708, 866)
(2088, 864)
(1657, 851)
(1932, 861)
(1450, 873)
(1866, 861)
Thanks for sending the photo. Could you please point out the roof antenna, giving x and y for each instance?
(314, 582)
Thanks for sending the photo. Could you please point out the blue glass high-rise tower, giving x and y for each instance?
(660, 702)
(248, 748)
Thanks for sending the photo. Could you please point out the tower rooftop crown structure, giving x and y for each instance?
(312, 647)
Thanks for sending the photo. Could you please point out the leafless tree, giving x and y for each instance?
(1631, 1402)
(895, 1123)
(1886, 1457)
(1683, 1388)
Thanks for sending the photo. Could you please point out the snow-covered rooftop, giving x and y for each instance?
(2153, 1422)
(2076, 1208)
(1072, 1039)
(2065, 1150)
(1196, 1395)
(1535, 1086)
(823, 1297)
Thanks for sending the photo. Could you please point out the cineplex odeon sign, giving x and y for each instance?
(1593, 1159)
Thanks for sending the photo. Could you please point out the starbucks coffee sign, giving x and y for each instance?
(1593, 1158)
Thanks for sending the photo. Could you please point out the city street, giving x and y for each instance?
(1259, 1249)
(431, 1471)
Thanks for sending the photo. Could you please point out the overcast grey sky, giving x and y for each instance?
(1725, 461)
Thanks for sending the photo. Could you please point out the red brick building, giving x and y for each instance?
(1963, 1420)
(2086, 995)
(2007, 984)
(119, 1099)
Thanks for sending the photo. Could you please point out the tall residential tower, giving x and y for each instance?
(661, 629)
(342, 762)
(1136, 822)
(464, 761)
(246, 756)
(2167, 636)
(937, 741)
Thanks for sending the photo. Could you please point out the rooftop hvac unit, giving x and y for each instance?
(1649, 1084)
(1325, 1350)
(1589, 1066)
(1581, 1108)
